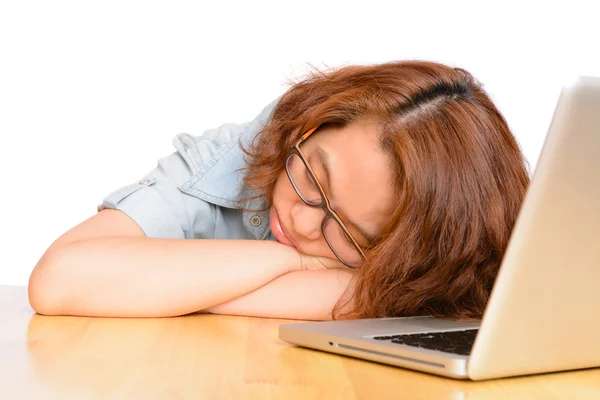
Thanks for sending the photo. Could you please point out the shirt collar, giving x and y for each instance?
(220, 180)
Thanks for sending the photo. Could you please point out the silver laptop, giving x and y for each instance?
(544, 310)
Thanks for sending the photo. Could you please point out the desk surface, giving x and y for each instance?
(217, 357)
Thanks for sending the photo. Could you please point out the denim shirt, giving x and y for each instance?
(192, 193)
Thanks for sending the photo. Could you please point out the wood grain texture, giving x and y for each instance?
(203, 356)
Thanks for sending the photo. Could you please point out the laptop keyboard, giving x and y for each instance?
(456, 342)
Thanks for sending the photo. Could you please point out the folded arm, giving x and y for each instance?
(151, 277)
(305, 295)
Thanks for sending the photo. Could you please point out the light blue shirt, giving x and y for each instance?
(192, 193)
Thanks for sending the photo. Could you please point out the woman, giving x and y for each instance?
(371, 191)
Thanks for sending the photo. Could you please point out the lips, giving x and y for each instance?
(277, 229)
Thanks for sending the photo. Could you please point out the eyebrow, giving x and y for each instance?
(323, 158)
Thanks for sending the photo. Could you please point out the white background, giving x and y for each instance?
(91, 93)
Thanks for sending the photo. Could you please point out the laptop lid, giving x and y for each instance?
(542, 314)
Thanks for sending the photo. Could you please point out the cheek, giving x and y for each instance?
(282, 192)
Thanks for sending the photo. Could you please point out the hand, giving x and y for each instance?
(316, 263)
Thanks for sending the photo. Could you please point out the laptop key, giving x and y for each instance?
(455, 342)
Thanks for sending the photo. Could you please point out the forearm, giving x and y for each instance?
(306, 295)
(151, 277)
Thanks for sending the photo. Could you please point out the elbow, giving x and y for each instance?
(42, 291)
(40, 302)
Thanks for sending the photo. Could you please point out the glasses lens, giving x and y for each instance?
(340, 243)
(302, 181)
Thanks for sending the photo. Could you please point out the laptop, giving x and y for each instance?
(542, 315)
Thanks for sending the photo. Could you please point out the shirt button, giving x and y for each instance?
(255, 221)
(144, 182)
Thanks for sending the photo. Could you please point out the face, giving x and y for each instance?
(360, 189)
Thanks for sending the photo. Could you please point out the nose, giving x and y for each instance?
(307, 220)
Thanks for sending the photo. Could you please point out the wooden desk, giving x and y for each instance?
(217, 357)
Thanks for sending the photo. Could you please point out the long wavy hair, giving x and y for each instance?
(460, 179)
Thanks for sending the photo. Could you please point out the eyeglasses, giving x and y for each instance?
(310, 191)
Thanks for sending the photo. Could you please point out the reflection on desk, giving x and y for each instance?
(217, 357)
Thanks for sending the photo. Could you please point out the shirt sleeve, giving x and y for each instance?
(157, 205)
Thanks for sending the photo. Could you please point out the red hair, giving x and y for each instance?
(460, 179)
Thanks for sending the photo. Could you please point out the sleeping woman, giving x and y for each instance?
(363, 191)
